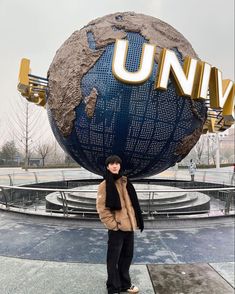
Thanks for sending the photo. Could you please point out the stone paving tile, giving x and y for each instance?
(187, 279)
(37, 277)
(226, 270)
(199, 245)
(35, 240)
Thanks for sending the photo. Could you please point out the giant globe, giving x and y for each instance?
(94, 115)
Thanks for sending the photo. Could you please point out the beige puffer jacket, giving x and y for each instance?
(123, 219)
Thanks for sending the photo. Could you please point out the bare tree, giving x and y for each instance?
(212, 147)
(200, 148)
(69, 160)
(44, 150)
(227, 149)
(4, 135)
(8, 152)
(27, 126)
(57, 155)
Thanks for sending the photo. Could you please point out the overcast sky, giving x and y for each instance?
(36, 29)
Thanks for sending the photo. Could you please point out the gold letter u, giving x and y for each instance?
(119, 62)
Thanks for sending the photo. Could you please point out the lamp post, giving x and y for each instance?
(217, 151)
(210, 140)
(218, 139)
(208, 150)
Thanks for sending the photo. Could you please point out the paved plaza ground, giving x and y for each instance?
(42, 255)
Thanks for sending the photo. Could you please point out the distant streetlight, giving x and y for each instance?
(210, 136)
(217, 151)
(218, 139)
(208, 149)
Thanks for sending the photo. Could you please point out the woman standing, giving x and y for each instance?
(192, 169)
(119, 210)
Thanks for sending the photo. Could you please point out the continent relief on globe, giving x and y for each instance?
(76, 59)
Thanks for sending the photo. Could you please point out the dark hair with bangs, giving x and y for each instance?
(113, 159)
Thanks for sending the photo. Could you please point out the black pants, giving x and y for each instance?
(119, 257)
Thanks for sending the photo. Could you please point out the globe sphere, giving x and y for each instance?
(94, 115)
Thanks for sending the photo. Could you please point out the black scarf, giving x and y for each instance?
(113, 199)
(135, 203)
(112, 196)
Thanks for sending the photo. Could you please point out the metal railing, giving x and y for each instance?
(31, 200)
(205, 176)
(33, 177)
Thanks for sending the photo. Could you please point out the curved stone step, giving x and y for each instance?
(55, 203)
(182, 202)
(154, 203)
(157, 197)
(202, 202)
